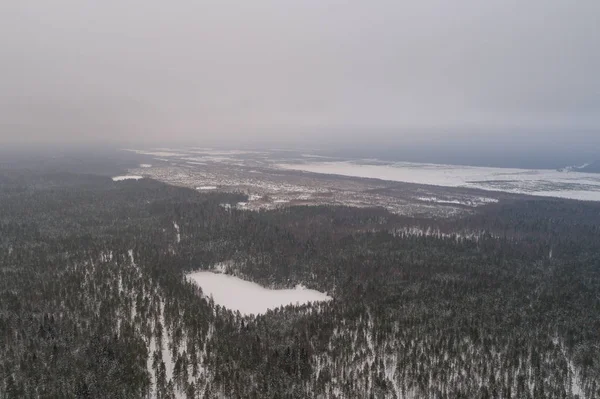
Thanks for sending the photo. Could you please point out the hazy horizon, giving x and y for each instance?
(461, 80)
(505, 155)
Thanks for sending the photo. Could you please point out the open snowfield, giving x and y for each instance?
(250, 298)
(550, 183)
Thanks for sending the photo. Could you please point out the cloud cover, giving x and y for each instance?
(283, 70)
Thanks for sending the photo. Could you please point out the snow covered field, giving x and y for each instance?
(250, 298)
(549, 183)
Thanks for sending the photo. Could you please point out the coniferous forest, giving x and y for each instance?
(501, 303)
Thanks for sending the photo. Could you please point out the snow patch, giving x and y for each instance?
(128, 177)
(178, 232)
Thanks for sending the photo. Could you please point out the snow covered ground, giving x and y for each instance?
(251, 298)
(129, 177)
(549, 183)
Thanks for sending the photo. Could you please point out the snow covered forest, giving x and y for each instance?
(94, 303)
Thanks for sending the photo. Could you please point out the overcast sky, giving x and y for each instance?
(409, 70)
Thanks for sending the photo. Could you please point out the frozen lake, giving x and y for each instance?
(541, 182)
(250, 298)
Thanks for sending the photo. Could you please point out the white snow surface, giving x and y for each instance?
(177, 232)
(248, 297)
(145, 165)
(206, 188)
(540, 182)
(128, 177)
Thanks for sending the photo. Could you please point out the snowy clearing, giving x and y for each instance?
(129, 177)
(540, 182)
(250, 298)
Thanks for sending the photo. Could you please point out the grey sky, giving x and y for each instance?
(158, 70)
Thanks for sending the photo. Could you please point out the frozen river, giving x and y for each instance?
(541, 182)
